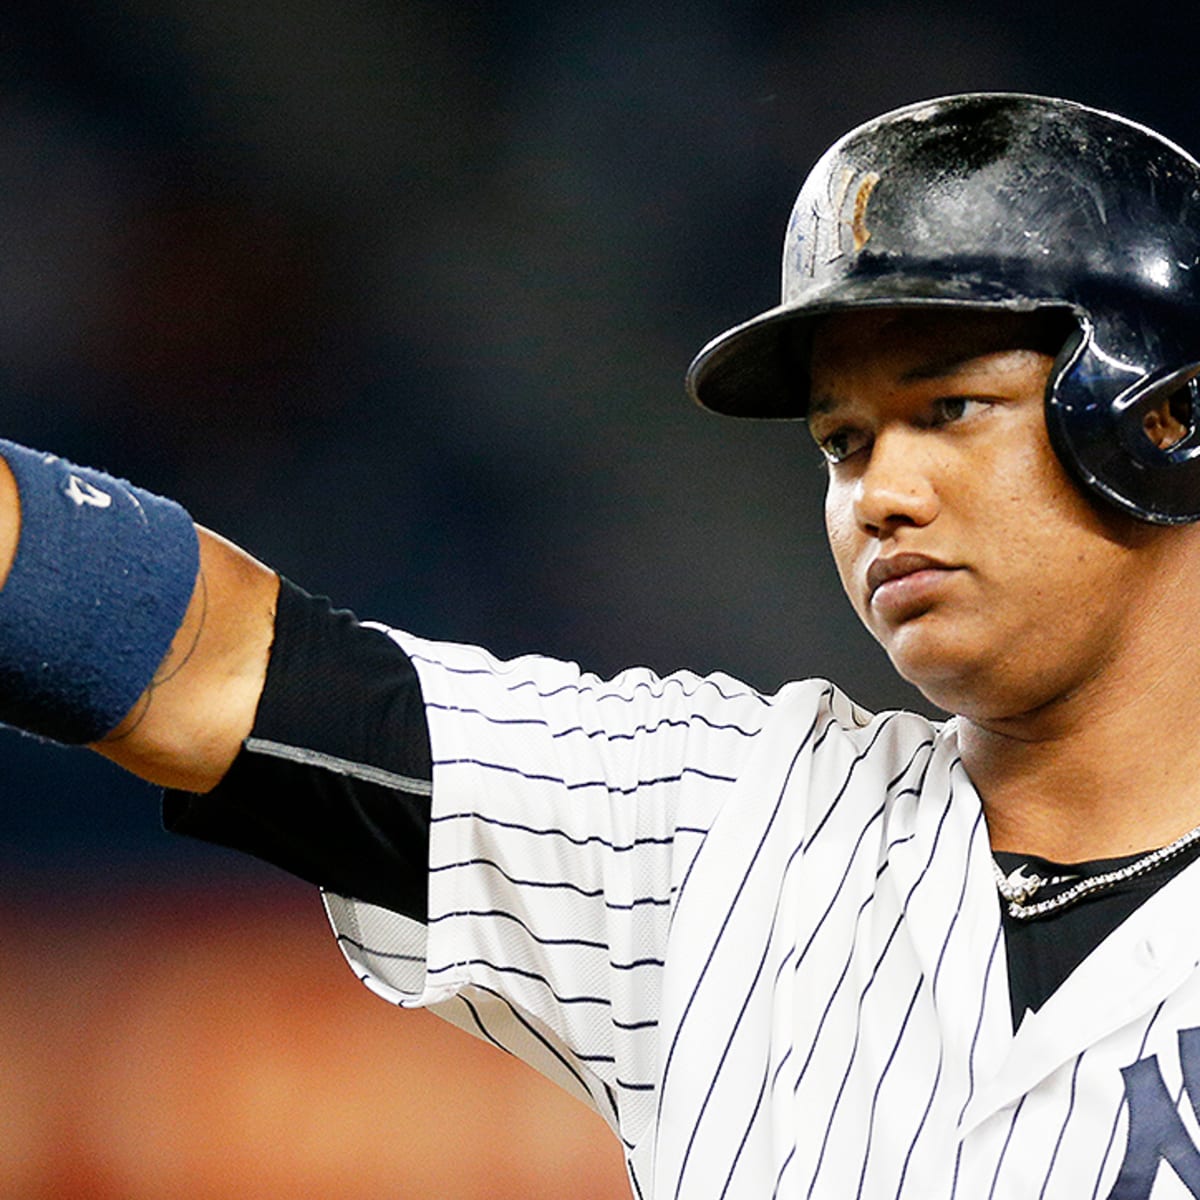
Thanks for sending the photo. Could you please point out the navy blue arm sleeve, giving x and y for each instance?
(333, 783)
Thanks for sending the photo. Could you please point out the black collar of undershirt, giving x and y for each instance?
(1043, 951)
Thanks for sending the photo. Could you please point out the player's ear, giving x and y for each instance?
(1169, 421)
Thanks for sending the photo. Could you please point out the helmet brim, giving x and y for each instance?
(759, 368)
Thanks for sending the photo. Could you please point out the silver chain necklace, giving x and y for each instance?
(1018, 887)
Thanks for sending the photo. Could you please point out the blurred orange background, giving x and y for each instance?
(204, 1046)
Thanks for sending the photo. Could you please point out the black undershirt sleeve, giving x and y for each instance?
(333, 784)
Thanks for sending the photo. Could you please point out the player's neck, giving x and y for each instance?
(1107, 770)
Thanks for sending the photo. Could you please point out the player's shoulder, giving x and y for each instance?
(836, 724)
(823, 696)
(831, 755)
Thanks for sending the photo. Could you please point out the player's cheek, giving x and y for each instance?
(841, 531)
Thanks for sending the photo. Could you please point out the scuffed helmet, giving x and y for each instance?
(996, 200)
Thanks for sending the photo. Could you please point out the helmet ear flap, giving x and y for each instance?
(1138, 449)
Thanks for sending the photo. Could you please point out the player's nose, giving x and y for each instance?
(897, 485)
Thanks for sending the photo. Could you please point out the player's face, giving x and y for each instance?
(993, 583)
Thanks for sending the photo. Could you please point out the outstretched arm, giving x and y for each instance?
(185, 728)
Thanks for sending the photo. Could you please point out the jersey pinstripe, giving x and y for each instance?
(760, 935)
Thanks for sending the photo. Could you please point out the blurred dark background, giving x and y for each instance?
(399, 296)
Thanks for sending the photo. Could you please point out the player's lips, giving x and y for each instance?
(899, 583)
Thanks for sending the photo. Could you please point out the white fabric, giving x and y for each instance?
(760, 935)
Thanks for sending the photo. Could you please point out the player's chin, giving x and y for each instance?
(942, 661)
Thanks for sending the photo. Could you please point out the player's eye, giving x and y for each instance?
(841, 444)
(946, 409)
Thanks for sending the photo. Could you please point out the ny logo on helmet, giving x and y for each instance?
(838, 224)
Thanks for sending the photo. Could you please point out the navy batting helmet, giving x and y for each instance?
(1014, 202)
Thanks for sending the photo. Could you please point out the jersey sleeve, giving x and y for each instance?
(500, 841)
(566, 811)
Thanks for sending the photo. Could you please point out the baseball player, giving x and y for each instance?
(785, 947)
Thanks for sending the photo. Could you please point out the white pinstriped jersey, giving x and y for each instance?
(760, 935)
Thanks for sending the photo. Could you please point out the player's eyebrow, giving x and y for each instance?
(950, 364)
(939, 368)
(936, 368)
(818, 404)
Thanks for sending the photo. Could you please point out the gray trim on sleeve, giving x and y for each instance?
(340, 766)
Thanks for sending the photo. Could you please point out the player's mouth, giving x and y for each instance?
(900, 586)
